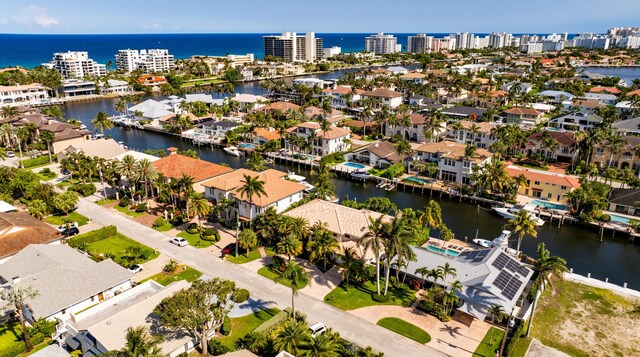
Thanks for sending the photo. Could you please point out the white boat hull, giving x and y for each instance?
(483, 243)
(232, 151)
(505, 213)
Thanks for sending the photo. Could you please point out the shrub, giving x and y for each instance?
(93, 236)
(141, 208)
(177, 220)
(210, 234)
(37, 161)
(241, 296)
(19, 348)
(45, 171)
(159, 222)
(381, 298)
(171, 266)
(85, 189)
(192, 228)
(277, 263)
(216, 348)
(274, 322)
(124, 202)
(225, 329)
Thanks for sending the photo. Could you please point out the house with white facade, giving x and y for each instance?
(577, 121)
(554, 96)
(565, 150)
(379, 154)
(249, 101)
(115, 86)
(280, 192)
(342, 96)
(453, 164)
(470, 133)
(27, 94)
(603, 98)
(385, 96)
(413, 131)
(77, 87)
(336, 139)
(67, 280)
(218, 128)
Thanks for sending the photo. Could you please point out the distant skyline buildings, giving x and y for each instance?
(293, 47)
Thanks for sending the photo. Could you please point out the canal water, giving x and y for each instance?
(614, 258)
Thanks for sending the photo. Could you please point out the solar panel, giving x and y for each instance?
(472, 255)
(501, 261)
(502, 280)
(464, 254)
(483, 253)
(513, 265)
(523, 271)
(512, 288)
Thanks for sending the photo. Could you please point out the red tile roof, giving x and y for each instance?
(382, 93)
(19, 229)
(522, 111)
(610, 90)
(564, 138)
(544, 177)
(176, 165)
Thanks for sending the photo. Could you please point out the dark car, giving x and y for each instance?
(65, 172)
(229, 249)
(70, 231)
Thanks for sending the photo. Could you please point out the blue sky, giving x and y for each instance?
(265, 16)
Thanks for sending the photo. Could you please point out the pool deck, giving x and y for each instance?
(344, 168)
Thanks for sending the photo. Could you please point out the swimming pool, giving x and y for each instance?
(449, 252)
(354, 165)
(247, 146)
(550, 205)
(619, 219)
(419, 180)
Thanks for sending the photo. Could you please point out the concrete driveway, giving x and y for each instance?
(350, 326)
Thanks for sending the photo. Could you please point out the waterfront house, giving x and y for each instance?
(152, 110)
(577, 121)
(464, 112)
(489, 278)
(603, 98)
(26, 94)
(65, 134)
(625, 201)
(554, 96)
(103, 148)
(115, 86)
(479, 134)
(67, 280)
(346, 224)
(77, 87)
(414, 77)
(522, 116)
(280, 192)
(379, 154)
(622, 159)
(565, 150)
(336, 139)
(263, 135)
(315, 114)
(151, 81)
(19, 229)
(627, 127)
(175, 166)
(610, 90)
(385, 96)
(204, 98)
(342, 96)
(248, 102)
(281, 107)
(98, 331)
(544, 185)
(586, 105)
(415, 131)
(218, 128)
(450, 156)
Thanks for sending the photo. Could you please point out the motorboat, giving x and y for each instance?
(360, 175)
(502, 242)
(483, 243)
(332, 199)
(297, 178)
(309, 186)
(512, 212)
(233, 151)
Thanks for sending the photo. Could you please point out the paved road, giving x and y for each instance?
(350, 327)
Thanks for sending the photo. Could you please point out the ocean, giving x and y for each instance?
(32, 50)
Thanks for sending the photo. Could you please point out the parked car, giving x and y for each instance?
(65, 172)
(136, 268)
(180, 242)
(71, 231)
(317, 329)
(64, 227)
(229, 249)
(11, 154)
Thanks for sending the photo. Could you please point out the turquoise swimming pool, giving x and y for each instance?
(449, 252)
(419, 180)
(354, 165)
(619, 219)
(247, 146)
(549, 205)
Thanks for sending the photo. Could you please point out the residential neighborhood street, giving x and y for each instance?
(349, 326)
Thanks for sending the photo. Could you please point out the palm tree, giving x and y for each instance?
(497, 314)
(297, 277)
(37, 208)
(252, 186)
(616, 143)
(395, 239)
(102, 122)
(16, 298)
(350, 263)
(146, 172)
(140, 343)
(247, 239)
(290, 336)
(322, 244)
(447, 270)
(290, 246)
(433, 124)
(546, 266)
(373, 239)
(523, 224)
(431, 217)
(256, 162)
(127, 167)
(9, 112)
(199, 206)
(324, 345)
(47, 138)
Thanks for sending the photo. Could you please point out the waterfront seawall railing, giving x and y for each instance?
(588, 280)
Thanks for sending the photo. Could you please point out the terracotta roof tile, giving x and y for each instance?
(176, 165)
(556, 179)
(267, 134)
(382, 93)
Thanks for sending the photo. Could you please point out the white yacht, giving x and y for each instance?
(511, 212)
(233, 151)
(297, 178)
(502, 241)
(360, 175)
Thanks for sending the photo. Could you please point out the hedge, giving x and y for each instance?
(192, 228)
(274, 322)
(85, 189)
(241, 296)
(93, 236)
(210, 234)
(159, 222)
(19, 348)
(225, 329)
(26, 163)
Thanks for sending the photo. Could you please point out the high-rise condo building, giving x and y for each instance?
(420, 43)
(76, 65)
(153, 60)
(381, 44)
(293, 47)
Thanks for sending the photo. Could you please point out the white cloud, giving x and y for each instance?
(151, 26)
(35, 15)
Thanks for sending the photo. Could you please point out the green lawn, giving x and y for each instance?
(405, 329)
(71, 217)
(63, 184)
(486, 348)
(195, 240)
(128, 212)
(10, 334)
(201, 82)
(117, 245)
(348, 297)
(241, 326)
(105, 201)
(182, 273)
(267, 272)
(521, 347)
(243, 258)
(165, 228)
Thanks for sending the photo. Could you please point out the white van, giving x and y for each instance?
(317, 329)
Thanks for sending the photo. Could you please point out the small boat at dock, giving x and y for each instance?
(512, 212)
(233, 151)
(360, 175)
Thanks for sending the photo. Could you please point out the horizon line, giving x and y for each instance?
(262, 33)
